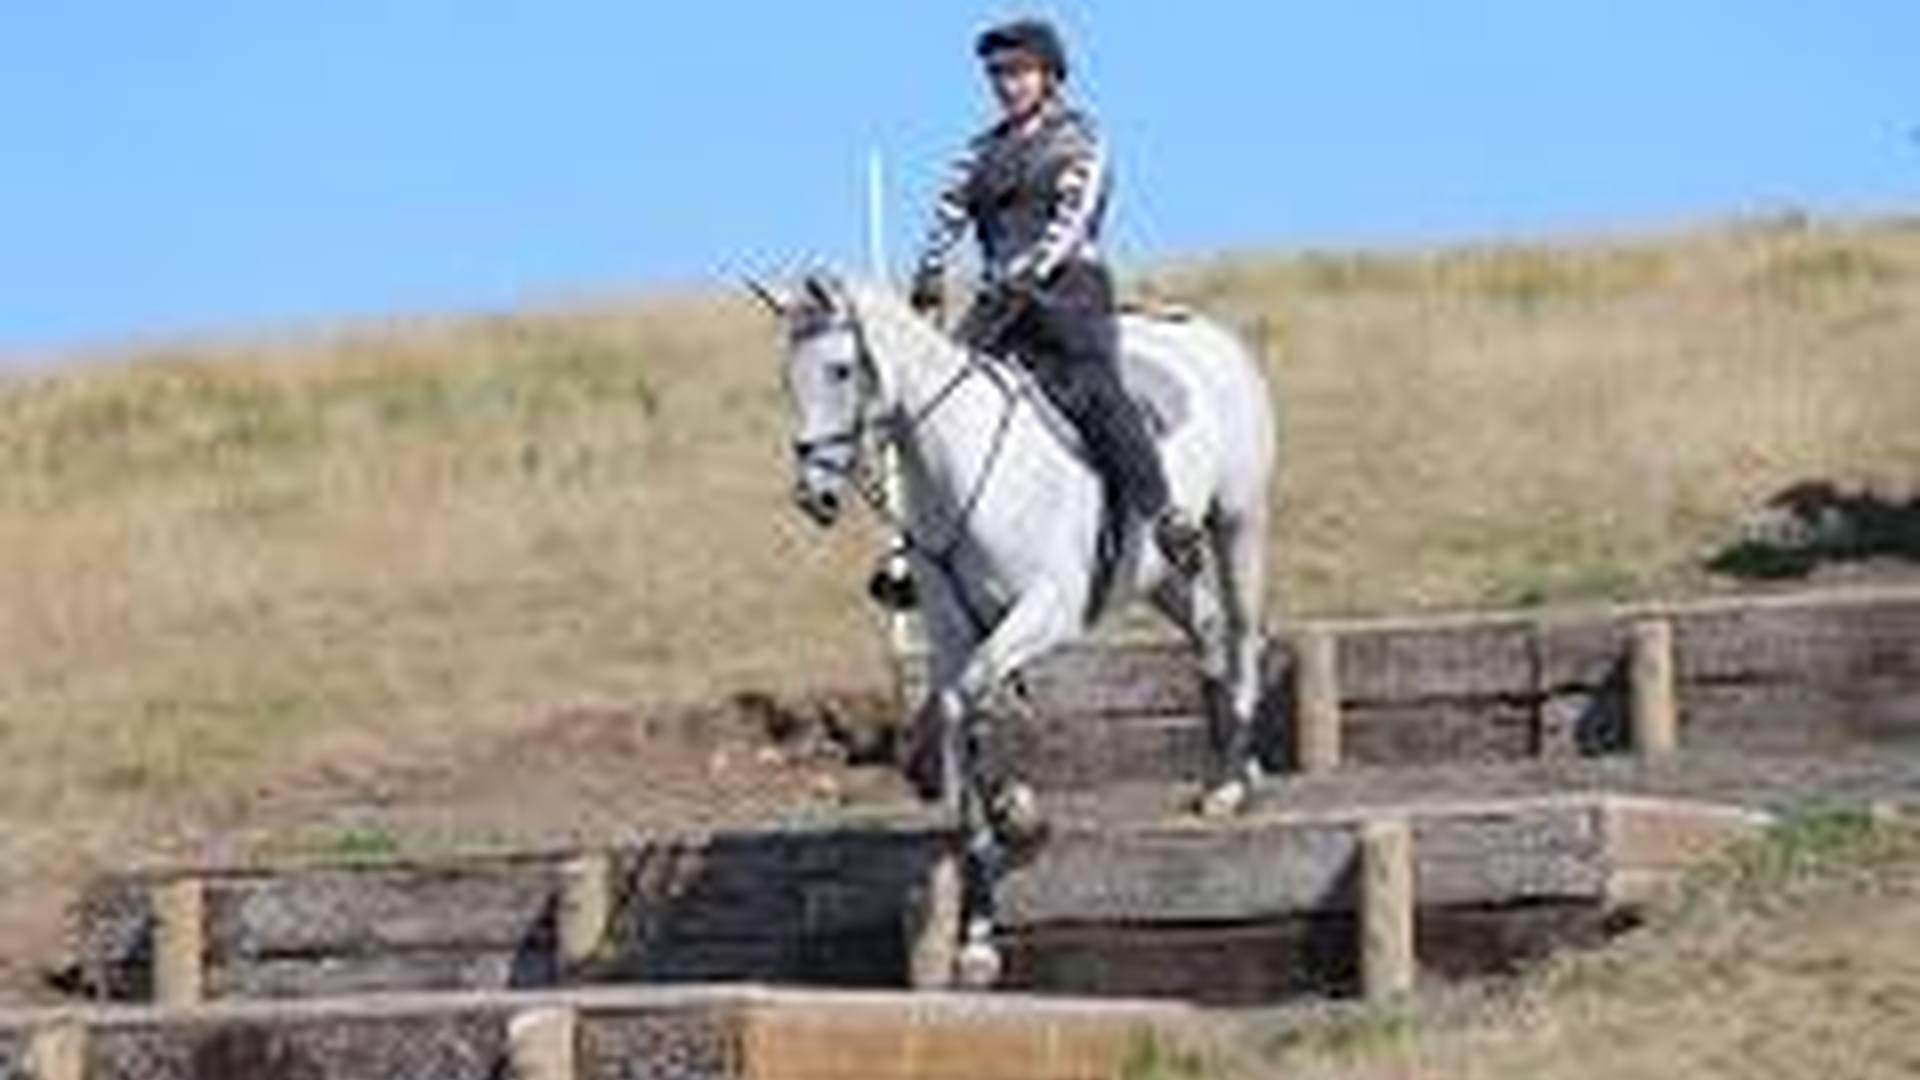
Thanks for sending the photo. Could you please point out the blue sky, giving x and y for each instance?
(202, 164)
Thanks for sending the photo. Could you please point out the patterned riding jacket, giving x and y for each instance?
(1035, 195)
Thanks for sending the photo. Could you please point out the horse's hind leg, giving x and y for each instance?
(1240, 554)
(1220, 616)
(1201, 611)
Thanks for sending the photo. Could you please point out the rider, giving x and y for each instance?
(1035, 187)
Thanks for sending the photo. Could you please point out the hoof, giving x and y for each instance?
(1224, 800)
(978, 966)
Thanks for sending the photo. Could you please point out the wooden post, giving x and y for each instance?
(1387, 963)
(1651, 684)
(1316, 700)
(58, 1052)
(933, 926)
(585, 908)
(540, 1044)
(179, 943)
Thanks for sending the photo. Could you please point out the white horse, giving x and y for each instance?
(1004, 517)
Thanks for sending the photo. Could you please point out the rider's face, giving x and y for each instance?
(1019, 82)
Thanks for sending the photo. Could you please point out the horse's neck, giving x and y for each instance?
(947, 408)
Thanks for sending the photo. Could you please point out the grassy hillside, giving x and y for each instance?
(230, 564)
(1793, 959)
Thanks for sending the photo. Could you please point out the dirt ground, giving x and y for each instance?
(581, 776)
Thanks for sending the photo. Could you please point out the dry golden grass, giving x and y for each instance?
(1512, 425)
(227, 564)
(1795, 960)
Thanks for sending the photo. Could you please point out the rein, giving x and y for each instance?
(872, 488)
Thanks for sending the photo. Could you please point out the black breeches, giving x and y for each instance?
(1067, 333)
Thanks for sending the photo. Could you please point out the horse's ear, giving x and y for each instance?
(823, 290)
(767, 296)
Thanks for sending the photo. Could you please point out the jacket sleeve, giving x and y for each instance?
(950, 215)
(1080, 187)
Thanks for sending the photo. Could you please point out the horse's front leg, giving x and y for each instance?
(992, 806)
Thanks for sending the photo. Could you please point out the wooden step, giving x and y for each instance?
(834, 904)
(1810, 673)
(690, 1033)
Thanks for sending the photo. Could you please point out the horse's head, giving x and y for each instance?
(829, 381)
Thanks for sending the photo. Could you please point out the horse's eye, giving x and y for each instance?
(840, 372)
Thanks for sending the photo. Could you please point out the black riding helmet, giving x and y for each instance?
(1034, 36)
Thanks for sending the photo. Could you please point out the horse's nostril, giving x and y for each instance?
(829, 502)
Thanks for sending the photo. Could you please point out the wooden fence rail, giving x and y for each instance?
(1805, 673)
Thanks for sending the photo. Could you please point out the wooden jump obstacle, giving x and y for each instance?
(1801, 674)
(497, 966)
(1257, 909)
(681, 1033)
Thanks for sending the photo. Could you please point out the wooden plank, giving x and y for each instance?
(1318, 726)
(1409, 663)
(633, 1034)
(636, 1034)
(1657, 834)
(957, 1038)
(459, 1043)
(1801, 718)
(1182, 875)
(1813, 643)
(1058, 752)
(1438, 733)
(874, 956)
(1521, 827)
(1510, 854)
(1387, 904)
(1516, 852)
(1580, 653)
(585, 908)
(57, 1052)
(1653, 710)
(737, 886)
(932, 927)
(179, 942)
(349, 910)
(1216, 964)
(341, 975)
(698, 1042)
(1135, 679)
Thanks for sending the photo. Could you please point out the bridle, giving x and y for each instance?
(870, 485)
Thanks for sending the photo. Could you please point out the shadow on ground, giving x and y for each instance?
(1817, 523)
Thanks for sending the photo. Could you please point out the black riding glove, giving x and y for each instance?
(927, 294)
